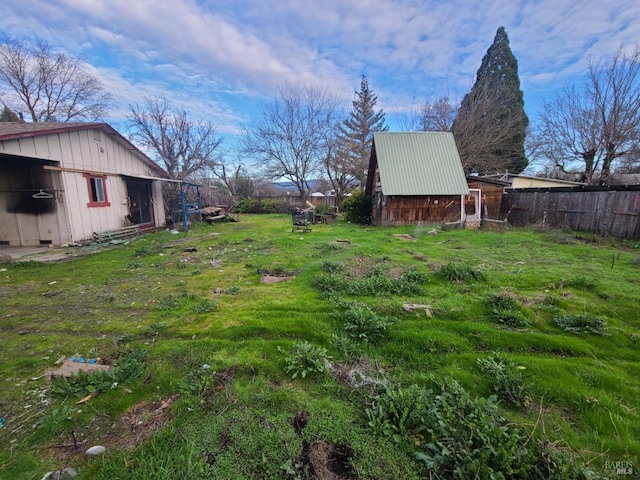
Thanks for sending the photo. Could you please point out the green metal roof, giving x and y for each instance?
(419, 163)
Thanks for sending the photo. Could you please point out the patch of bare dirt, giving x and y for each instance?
(137, 424)
(300, 421)
(143, 419)
(328, 461)
(405, 236)
(268, 279)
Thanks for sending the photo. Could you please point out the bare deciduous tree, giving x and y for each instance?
(589, 130)
(568, 134)
(338, 166)
(438, 115)
(183, 146)
(186, 148)
(293, 133)
(51, 86)
(615, 87)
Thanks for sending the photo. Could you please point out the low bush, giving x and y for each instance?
(357, 208)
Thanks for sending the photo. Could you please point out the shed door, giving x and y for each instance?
(472, 205)
(139, 193)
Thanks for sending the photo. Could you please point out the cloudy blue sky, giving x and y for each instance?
(220, 59)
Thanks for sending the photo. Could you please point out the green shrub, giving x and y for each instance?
(460, 272)
(273, 206)
(581, 323)
(324, 209)
(246, 205)
(306, 359)
(507, 378)
(155, 329)
(330, 282)
(364, 324)
(357, 208)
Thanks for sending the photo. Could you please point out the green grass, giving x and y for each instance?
(237, 417)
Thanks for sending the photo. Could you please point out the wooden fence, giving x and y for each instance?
(296, 200)
(611, 211)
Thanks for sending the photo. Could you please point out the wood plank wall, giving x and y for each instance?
(614, 212)
(417, 210)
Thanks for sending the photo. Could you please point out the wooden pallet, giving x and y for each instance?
(116, 236)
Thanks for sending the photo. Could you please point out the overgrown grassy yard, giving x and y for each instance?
(326, 375)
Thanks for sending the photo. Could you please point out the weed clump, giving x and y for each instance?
(376, 283)
(504, 309)
(507, 378)
(345, 346)
(306, 359)
(456, 435)
(460, 272)
(331, 266)
(581, 323)
(581, 282)
(126, 369)
(363, 324)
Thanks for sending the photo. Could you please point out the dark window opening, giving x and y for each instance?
(97, 186)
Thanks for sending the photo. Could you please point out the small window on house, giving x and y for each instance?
(97, 135)
(97, 186)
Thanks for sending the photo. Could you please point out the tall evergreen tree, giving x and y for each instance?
(356, 131)
(491, 124)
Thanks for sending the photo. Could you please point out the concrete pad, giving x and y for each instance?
(40, 254)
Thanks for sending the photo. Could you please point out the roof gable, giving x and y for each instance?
(419, 163)
(16, 130)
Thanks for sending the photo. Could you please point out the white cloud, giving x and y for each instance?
(218, 56)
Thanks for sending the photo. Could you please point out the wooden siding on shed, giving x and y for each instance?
(491, 198)
(416, 210)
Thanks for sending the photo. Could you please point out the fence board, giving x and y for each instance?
(611, 211)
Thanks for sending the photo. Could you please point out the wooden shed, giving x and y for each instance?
(415, 178)
(62, 182)
(488, 200)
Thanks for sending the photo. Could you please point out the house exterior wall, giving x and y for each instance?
(530, 182)
(71, 156)
(24, 219)
(415, 210)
